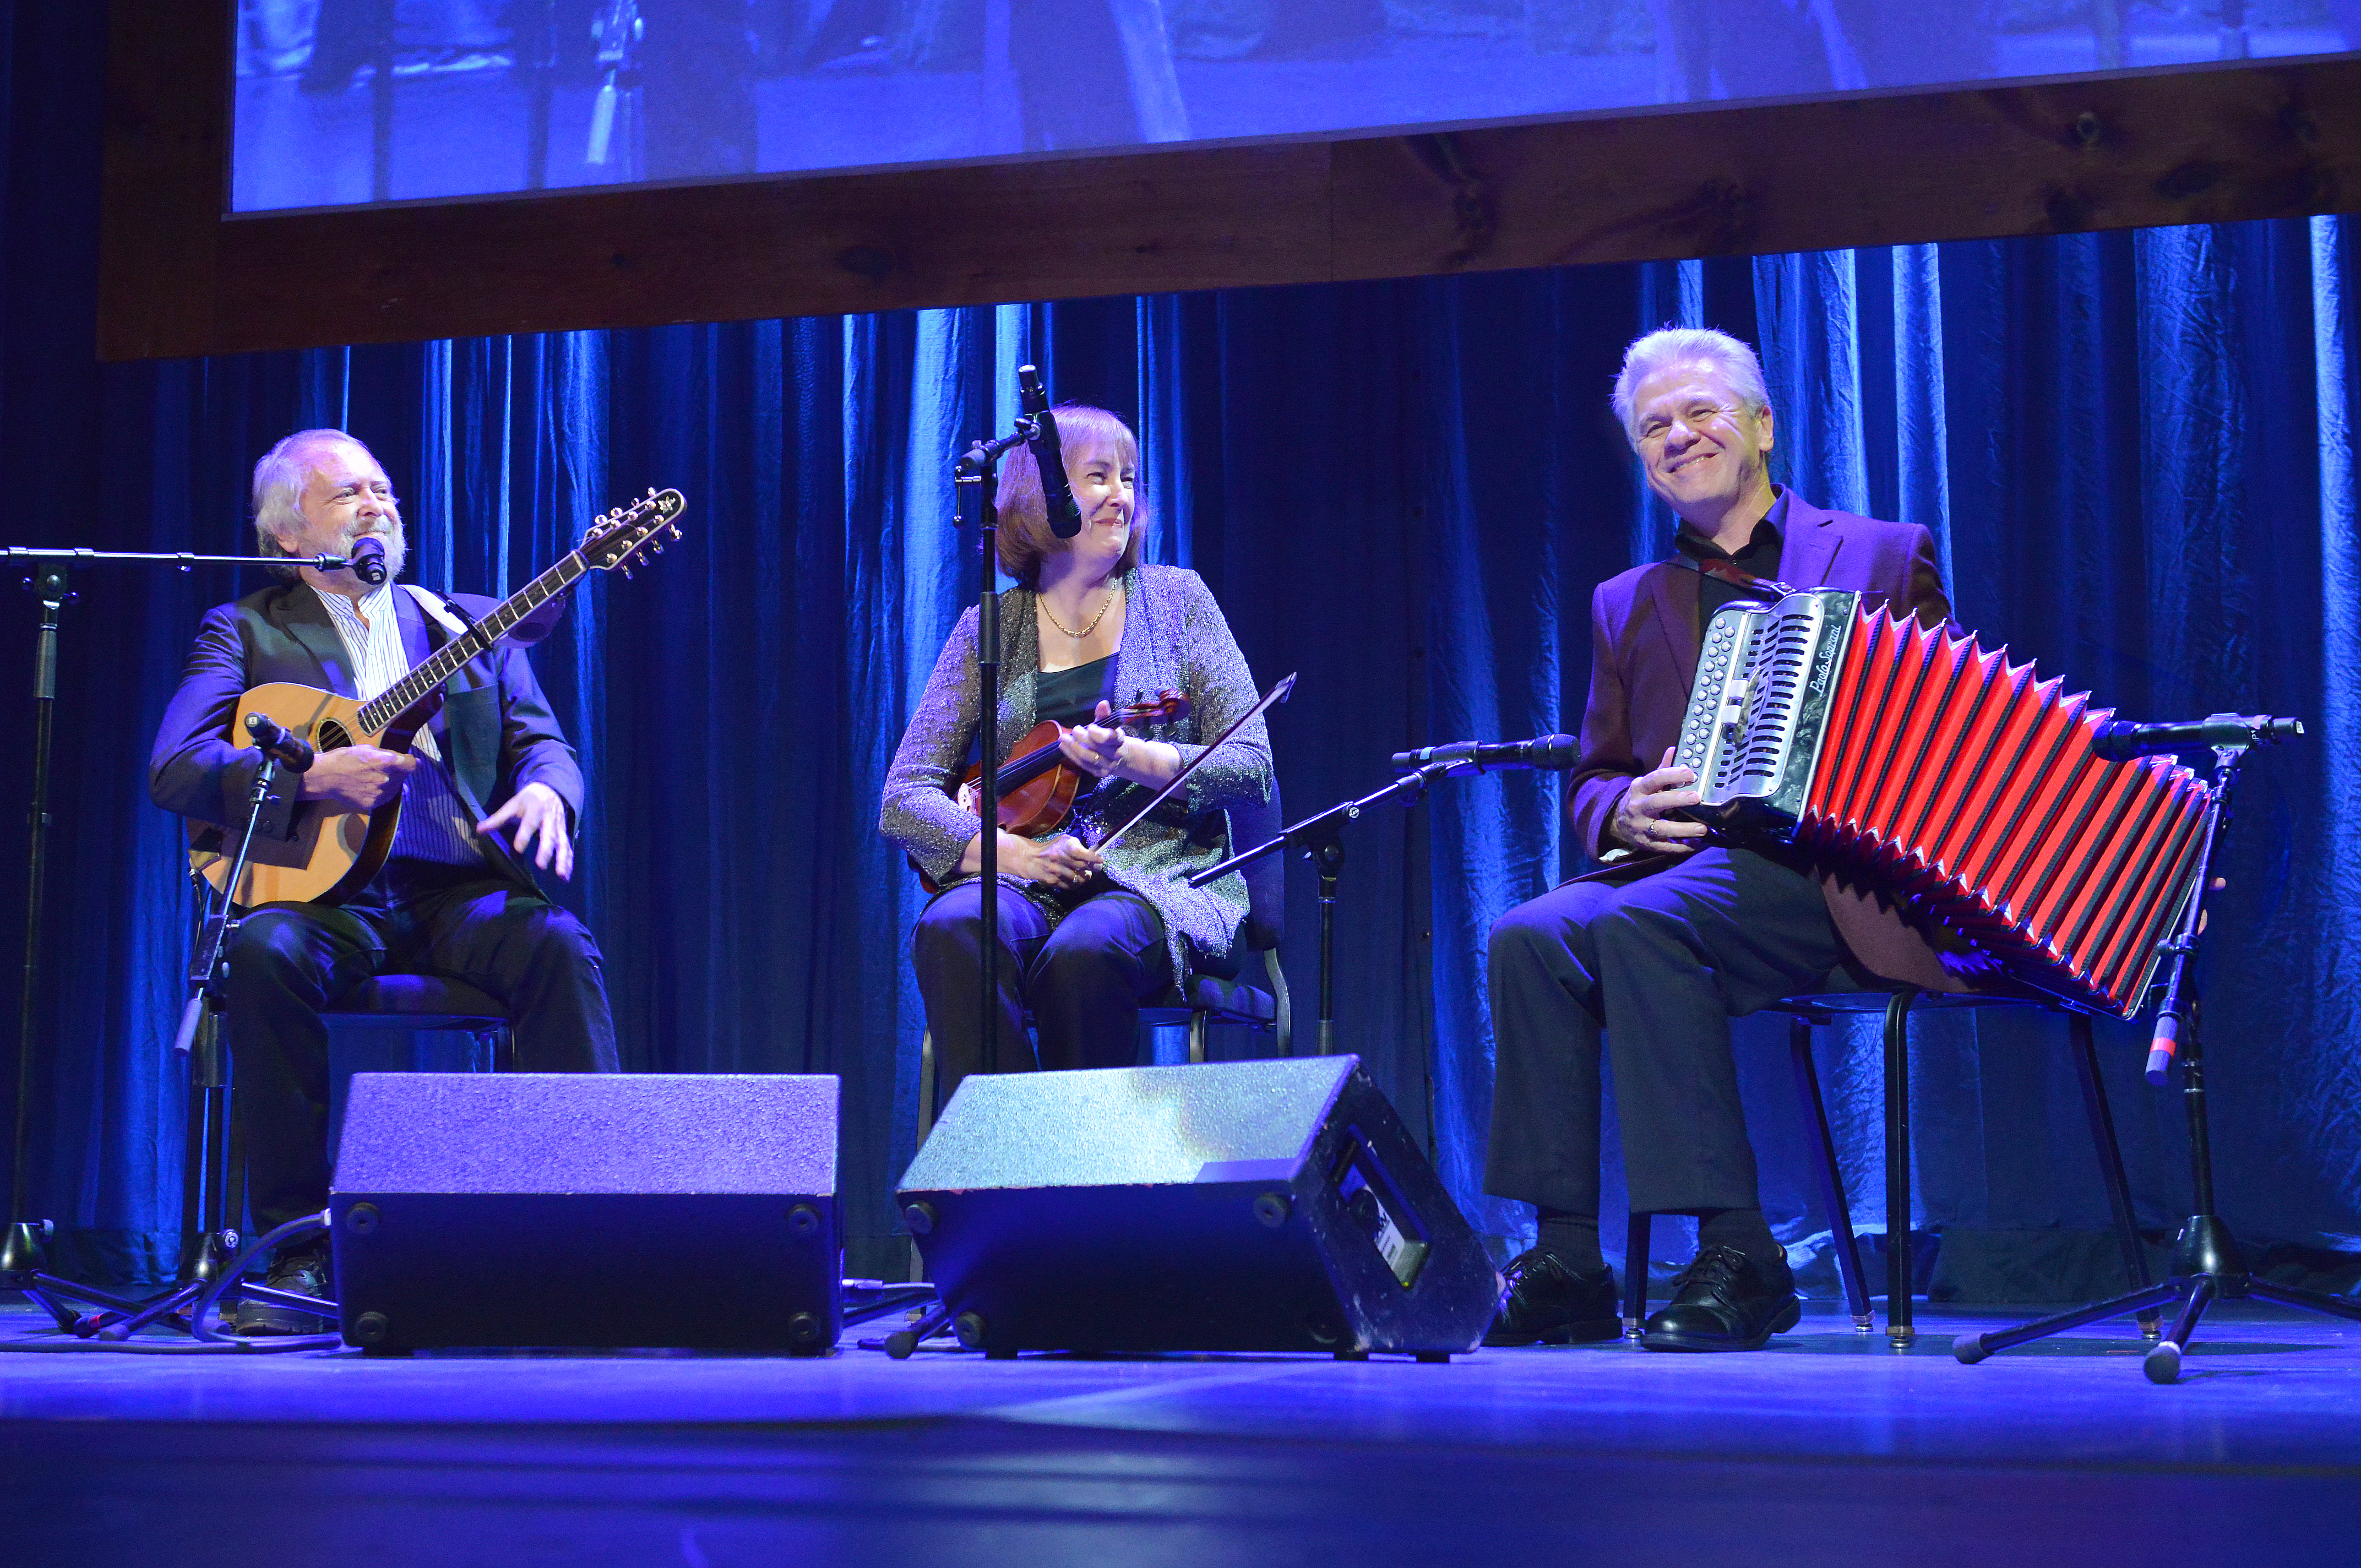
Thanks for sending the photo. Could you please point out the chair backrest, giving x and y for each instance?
(1266, 924)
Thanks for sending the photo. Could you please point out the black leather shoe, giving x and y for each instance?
(1551, 1304)
(305, 1273)
(1725, 1301)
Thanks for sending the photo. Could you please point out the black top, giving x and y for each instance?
(1760, 559)
(1073, 696)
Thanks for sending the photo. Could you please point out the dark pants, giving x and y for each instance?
(1082, 983)
(290, 961)
(1662, 964)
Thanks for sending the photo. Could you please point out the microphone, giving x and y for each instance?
(2161, 1046)
(294, 754)
(1056, 491)
(2119, 742)
(1550, 753)
(367, 559)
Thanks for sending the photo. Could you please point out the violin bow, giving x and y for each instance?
(1268, 700)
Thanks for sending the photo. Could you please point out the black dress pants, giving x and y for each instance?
(289, 961)
(1661, 965)
(1082, 982)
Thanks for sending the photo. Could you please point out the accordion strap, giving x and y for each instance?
(1731, 571)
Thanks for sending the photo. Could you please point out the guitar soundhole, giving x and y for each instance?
(330, 736)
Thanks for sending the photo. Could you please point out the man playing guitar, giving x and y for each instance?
(487, 782)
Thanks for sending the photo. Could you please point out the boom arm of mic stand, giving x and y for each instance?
(205, 975)
(1321, 837)
(1307, 834)
(184, 559)
(2165, 1041)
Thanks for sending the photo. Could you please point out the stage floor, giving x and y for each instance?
(1827, 1448)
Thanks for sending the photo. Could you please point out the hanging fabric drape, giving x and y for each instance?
(2134, 450)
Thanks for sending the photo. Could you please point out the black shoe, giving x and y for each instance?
(1551, 1304)
(306, 1274)
(1725, 1301)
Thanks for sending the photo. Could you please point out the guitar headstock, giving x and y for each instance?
(647, 524)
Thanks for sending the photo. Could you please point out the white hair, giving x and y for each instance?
(279, 481)
(1674, 346)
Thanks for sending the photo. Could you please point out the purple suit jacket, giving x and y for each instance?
(1644, 659)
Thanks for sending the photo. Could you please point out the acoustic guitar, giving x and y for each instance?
(330, 855)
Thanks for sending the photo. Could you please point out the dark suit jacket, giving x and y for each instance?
(495, 730)
(1644, 659)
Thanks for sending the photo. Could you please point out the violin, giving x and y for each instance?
(1038, 785)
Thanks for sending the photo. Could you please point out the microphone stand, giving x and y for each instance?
(200, 1040)
(23, 1245)
(1321, 838)
(974, 477)
(2207, 1265)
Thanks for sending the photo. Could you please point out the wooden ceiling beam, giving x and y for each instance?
(2205, 144)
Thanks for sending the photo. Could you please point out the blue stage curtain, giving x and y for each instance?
(2135, 448)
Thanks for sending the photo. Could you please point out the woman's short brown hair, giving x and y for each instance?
(1025, 536)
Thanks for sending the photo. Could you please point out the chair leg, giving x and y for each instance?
(1635, 1274)
(1276, 974)
(1898, 1327)
(926, 1086)
(925, 1125)
(2111, 1163)
(1831, 1178)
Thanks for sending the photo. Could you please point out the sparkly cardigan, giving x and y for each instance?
(1173, 636)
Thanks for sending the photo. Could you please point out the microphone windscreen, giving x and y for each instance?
(367, 559)
(1554, 751)
(2117, 741)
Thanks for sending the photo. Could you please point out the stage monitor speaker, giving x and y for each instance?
(588, 1210)
(1243, 1206)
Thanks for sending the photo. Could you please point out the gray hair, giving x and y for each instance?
(279, 481)
(1661, 350)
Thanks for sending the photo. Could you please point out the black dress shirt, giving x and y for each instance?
(1758, 558)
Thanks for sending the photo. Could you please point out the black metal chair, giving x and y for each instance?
(363, 1023)
(416, 1003)
(1202, 1000)
(1807, 1012)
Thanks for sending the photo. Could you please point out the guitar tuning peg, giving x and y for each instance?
(627, 574)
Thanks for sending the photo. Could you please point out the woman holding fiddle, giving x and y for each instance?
(1085, 939)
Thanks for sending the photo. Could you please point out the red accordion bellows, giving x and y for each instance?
(1965, 780)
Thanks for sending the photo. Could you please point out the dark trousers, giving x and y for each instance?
(1082, 982)
(290, 961)
(1661, 965)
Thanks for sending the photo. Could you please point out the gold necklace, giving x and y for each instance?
(1113, 588)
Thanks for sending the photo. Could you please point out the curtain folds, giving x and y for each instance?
(2137, 451)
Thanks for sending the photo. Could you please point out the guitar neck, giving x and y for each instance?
(478, 639)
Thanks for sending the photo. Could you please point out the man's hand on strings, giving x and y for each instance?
(1643, 819)
(539, 817)
(355, 778)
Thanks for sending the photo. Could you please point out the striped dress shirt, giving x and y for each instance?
(435, 825)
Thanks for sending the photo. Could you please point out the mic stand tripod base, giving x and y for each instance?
(23, 1253)
(2207, 1265)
